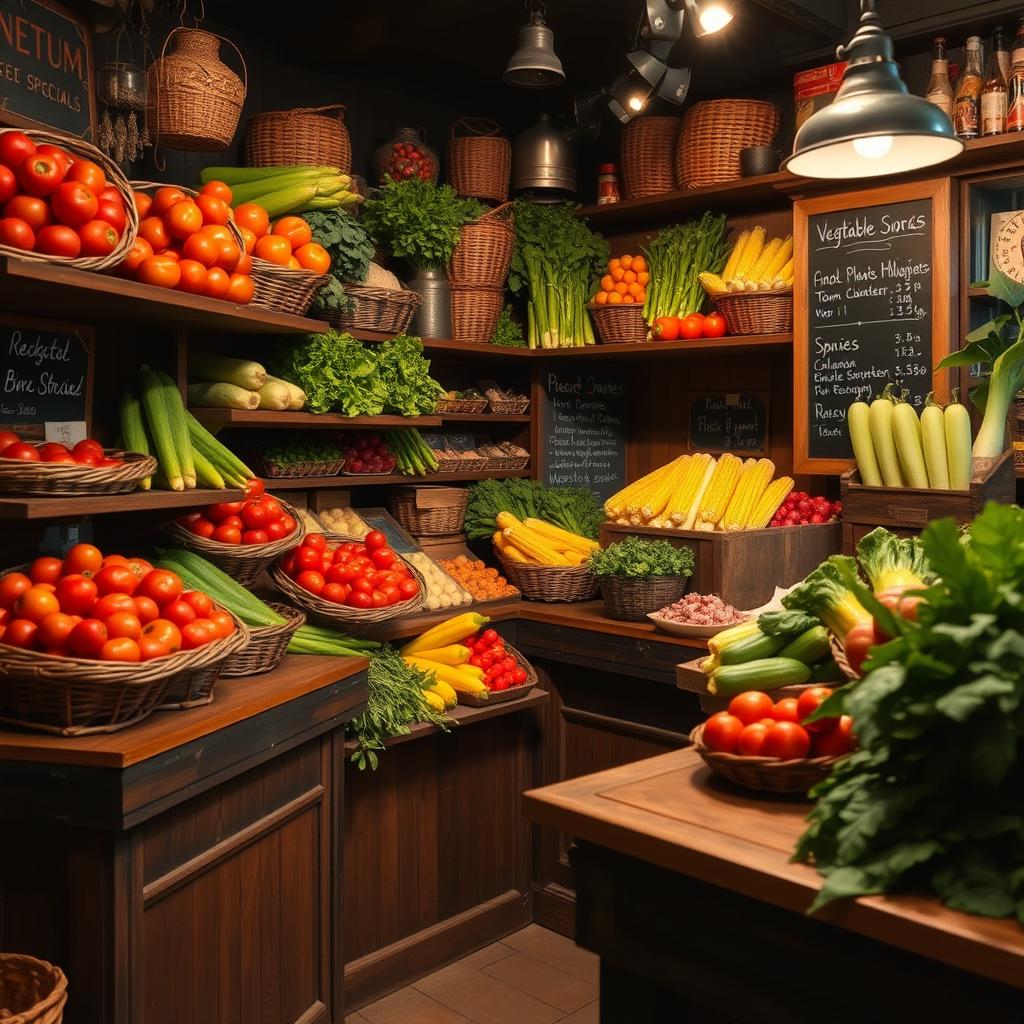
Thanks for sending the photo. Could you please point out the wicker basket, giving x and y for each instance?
(631, 599)
(195, 690)
(376, 309)
(480, 161)
(427, 511)
(353, 620)
(766, 774)
(474, 406)
(64, 479)
(115, 178)
(81, 696)
(242, 562)
(509, 406)
(284, 289)
(267, 644)
(713, 135)
(551, 583)
(32, 990)
(757, 312)
(501, 696)
(475, 313)
(647, 156)
(314, 136)
(839, 656)
(484, 252)
(194, 98)
(293, 470)
(619, 325)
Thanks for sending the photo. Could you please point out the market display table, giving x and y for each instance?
(686, 891)
(188, 868)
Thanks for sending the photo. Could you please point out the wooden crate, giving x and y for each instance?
(907, 510)
(744, 567)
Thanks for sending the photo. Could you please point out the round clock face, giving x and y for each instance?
(1008, 248)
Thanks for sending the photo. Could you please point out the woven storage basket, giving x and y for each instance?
(647, 156)
(427, 511)
(484, 252)
(194, 98)
(757, 312)
(306, 135)
(33, 990)
(267, 644)
(376, 309)
(242, 562)
(195, 690)
(618, 325)
(480, 161)
(551, 583)
(501, 696)
(293, 470)
(353, 620)
(713, 134)
(465, 405)
(631, 599)
(284, 288)
(509, 406)
(80, 696)
(766, 774)
(475, 313)
(115, 178)
(839, 655)
(64, 479)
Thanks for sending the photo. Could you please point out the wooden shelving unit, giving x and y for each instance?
(89, 505)
(313, 483)
(267, 419)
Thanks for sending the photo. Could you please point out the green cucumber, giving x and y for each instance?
(133, 429)
(764, 674)
(155, 408)
(179, 432)
(808, 647)
(752, 648)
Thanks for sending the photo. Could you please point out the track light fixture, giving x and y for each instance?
(708, 16)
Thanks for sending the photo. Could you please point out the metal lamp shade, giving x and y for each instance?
(535, 65)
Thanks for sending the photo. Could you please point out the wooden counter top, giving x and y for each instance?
(591, 616)
(672, 812)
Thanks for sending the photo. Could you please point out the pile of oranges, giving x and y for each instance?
(625, 282)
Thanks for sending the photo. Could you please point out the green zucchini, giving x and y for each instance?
(133, 430)
(155, 408)
(808, 647)
(765, 674)
(752, 648)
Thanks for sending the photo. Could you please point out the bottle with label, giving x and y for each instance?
(1015, 83)
(940, 89)
(993, 92)
(967, 105)
(607, 184)
(1001, 48)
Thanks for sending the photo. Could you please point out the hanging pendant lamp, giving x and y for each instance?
(535, 65)
(874, 126)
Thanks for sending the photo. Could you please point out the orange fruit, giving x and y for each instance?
(617, 274)
(642, 276)
(607, 283)
(639, 264)
(629, 276)
(613, 264)
(601, 298)
(635, 290)
(614, 298)
(622, 288)
(626, 262)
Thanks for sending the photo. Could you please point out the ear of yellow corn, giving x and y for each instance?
(559, 539)
(649, 483)
(719, 491)
(618, 504)
(786, 273)
(679, 503)
(752, 484)
(779, 260)
(712, 283)
(736, 255)
(691, 516)
(654, 503)
(533, 546)
(766, 257)
(505, 520)
(751, 253)
(768, 503)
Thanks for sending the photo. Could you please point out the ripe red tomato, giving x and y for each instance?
(83, 558)
(721, 732)
(222, 623)
(311, 580)
(751, 741)
(35, 604)
(98, 238)
(835, 741)
(14, 147)
(255, 537)
(35, 212)
(196, 634)
(53, 452)
(46, 570)
(751, 706)
(786, 710)
(150, 648)
(162, 586)
(810, 700)
(691, 327)
(666, 328)
(199, 602)
(111, 604)
(164, 198)
(88, 173)
(218, 283)
(383, 558)
(7, 438)
(58, 240)
(858, 642)
(181, 613)
(241, 288)
(201, 527)
(165, 632)
(21, 633)
(58, 154)
(146, 609)
(87, 638)
(220, 511)
(113, 214)
(88, 445)
(74, 204)
(17, 234)
(159, 271)
(39, 175)
(193, 277)
(254, 515)
(408, 588)
(123, 624)
(184, 218)
(254, 487)
(786, 740)
(116, 579)
(154, 231)
(227, 533)
(375, 539)
(358, 599)
(22, 451)
(120, 649)
(714, 325)
(307, 558)
(8, 184)
(55, 629)
(76, 594)
(288, 522)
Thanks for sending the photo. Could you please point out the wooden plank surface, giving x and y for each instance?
(98, 504)
(590, 616)
(236, 700)
(267, 418)
(672, 812)
(312, 483)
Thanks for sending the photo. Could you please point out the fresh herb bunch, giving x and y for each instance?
(350, 248)
(419, 221)
(638, 559)
(507, 332)
(406, 375)
(303, 449)
(932, 797)
(394, 700)
(675, 257)
(572, 508)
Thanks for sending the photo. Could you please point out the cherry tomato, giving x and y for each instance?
(98, 238)
(21, 633)
(39, 175)
(55, 629)
(160, 271)
(146, 609)
(14, 147)
(88, 173)
(786, 740)
(835, 741)
(123, 624)
(46, 570)
(751, 741)
(311, 580)
(120, 649)
(714, 325)
(58, 240)
(200, 603)
(858, 643)
(76, 594)
(87, 638)
(150, 647)
(666, 328)
(181, 613)
(17, 234)
(810, 700)
(166, 632)
(751, 706)
(162, 586)
(786, 710)
(721, 731)
(74, 204)
(691, 327)
(33, 211)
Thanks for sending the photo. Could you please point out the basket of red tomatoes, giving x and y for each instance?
(240, 537)
(774, 746)
(354, 583)
(55, 470)
(63, 202)
(92, 643)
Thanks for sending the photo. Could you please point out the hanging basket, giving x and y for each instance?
(195, 98)
(713, 135)
(32, 990)
(475, 313)
(484, 252)
(479, 161)
(316, 136)
(647, 156)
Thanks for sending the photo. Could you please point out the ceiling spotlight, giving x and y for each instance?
(535, 65)
(675, 85)
(708, 16)
(648, 67)
(663, 26)
(629, 95)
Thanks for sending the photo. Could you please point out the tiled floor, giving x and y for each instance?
(532, 977)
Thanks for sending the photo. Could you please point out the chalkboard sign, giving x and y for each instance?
(723, 422)
(583, 430)
(46, 73)
(871, 308)
(45, 378)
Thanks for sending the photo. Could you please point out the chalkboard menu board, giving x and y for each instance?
(872, 308)
(46, 68)
(44, 377)
(583, 430)
(723, 422)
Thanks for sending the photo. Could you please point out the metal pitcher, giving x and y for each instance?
(433, 319)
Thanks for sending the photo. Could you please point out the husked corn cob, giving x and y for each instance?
(559, 539)
(505, 520)
(736, 255)
(768, 503)
(498, 540)
(712, 283)
(533, 546)
(779, 260)
(767, 255)
(719, 491)
(737, 284)
(512, 554)
(691, 516)
(618, 504)
(752, 484)
(751, 253)
(686, 490)
(786, 273)
(651, 482)
(654, 503)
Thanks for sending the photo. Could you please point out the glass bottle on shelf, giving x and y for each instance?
(940, 89)
(993, 92)
(966, 106)
(1015, 83)
(1001, 49)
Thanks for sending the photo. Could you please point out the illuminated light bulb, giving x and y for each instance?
(636, 103)
(714, 18)
(873, 147)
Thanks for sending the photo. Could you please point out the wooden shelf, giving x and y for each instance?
(464, 348)
(63, 293)
(980, 294)
(482, 417)
(87, 505)
(314, 483)
(267, 418)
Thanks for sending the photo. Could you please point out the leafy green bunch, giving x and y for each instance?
(507, 332)
(932, 797)
(636, 558)
(350, 248)
(572, 508)
(406, 375)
